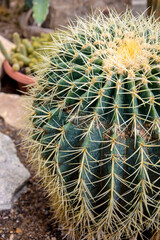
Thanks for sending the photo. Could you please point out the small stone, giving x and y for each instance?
(12, 109)
(13, 175)
(18, 230)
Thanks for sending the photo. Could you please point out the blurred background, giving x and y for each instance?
(15, 15)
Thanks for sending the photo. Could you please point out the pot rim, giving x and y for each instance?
(19, 77)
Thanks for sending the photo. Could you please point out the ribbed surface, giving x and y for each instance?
(97, 125)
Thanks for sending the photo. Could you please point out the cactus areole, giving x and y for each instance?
(95, 127)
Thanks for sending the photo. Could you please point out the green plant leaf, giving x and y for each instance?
(40, 10)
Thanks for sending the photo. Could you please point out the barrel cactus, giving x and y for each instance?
(95, 126)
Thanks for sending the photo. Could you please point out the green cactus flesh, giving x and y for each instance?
(95, 127)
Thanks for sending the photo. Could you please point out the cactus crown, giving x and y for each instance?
(96, 126)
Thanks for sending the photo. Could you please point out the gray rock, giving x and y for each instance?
(13, 175)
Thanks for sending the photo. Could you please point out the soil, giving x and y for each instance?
(30, 217)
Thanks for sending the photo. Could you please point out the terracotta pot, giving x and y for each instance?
(22, 79)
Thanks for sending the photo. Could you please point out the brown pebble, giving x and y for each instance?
(18, 230)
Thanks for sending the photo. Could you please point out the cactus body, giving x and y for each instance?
(96, 127)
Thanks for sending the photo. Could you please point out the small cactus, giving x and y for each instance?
(5, 53)
(16, 67)
(95, 127)
(26, 54)
(17, 40)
